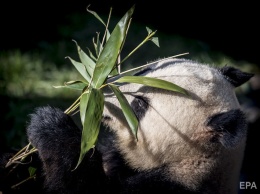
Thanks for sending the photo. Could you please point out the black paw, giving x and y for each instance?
(51, 128)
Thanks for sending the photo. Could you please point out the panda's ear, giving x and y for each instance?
(235, 76)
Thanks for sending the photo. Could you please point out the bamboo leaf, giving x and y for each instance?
(99, 18)
(92, 121)
(153, 82)
(96, 15)
(83, 105)
(149, 37)
(86, 60)
(149, 30)
(110, 52)
(81, 69)
(97, 45)
(91, 55)
(155, 40)
(127, 109)
(114, 72)
(31, 170)
(76, 85)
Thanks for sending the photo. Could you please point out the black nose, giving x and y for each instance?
(231, 125)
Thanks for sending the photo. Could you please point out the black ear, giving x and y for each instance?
(235, 76)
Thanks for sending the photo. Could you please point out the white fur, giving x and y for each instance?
(173, 131)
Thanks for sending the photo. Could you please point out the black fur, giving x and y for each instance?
(140, 104)
(153, 181)
(57, 139)
(230, 127)
(235, 76)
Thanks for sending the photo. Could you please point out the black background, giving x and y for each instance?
(229, 27)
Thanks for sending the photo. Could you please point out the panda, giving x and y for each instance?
(190, 144)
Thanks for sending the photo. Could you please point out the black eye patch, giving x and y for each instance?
(140, 105)
(143, 72)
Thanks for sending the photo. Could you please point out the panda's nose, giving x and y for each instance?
(231, 125)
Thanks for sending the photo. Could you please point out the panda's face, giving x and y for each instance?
(173, 126)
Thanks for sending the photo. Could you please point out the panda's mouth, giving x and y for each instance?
(229, 127)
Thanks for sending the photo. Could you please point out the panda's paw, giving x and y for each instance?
(50, 127)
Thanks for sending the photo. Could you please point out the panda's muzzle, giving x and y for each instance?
(229, 127)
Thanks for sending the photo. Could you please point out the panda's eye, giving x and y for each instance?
(140, 105)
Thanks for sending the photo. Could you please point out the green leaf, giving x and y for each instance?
(153, 82)
(155, 40)
(149, 30)
(31, 171)
(96, 15)
(91, 55)
(86, 60)
(149, 37)
(92, 121)
(83, 105)
(76, 85)
(110, 52)
(114, 72)
(97, 45)
(81, 69)
(127, 109)
(99, 18)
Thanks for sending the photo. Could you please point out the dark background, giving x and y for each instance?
(232, 28)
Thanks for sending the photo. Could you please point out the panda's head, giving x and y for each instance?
(175, 128)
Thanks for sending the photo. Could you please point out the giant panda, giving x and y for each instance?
(186, 143)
